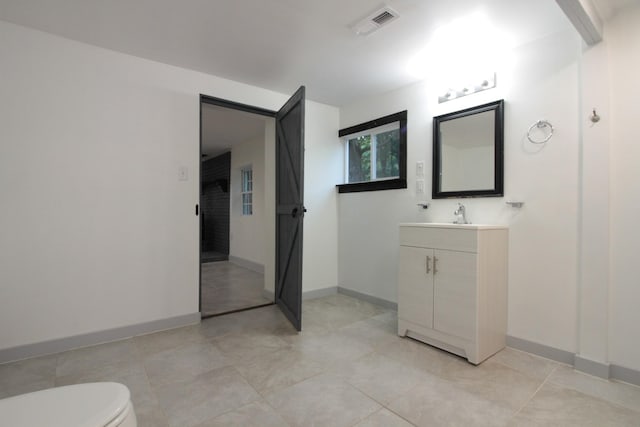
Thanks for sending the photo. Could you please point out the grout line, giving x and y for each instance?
(152, 389)
(546, 379)
(399, 415)
(237, 310)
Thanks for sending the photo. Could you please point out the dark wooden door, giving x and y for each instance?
(289, 206)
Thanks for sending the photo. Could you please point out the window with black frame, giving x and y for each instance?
(375, 154)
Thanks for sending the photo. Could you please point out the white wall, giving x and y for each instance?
(540, 81)
(623, 37)
(97, 230)
(593, 281)
(247, 232)
(323, 170)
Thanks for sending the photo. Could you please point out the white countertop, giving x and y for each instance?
(452, 225)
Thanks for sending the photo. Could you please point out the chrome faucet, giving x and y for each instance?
(461, 215)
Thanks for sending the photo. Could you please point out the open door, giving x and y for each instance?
(289, 207)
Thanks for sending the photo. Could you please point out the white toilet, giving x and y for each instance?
(80, 405)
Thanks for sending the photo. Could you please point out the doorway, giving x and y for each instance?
(262, 189)
(232, 210)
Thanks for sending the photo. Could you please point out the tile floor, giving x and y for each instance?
(227, 287)
(347, 368)
(211, 256)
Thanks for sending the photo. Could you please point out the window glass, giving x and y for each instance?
(388, 154)
(375, 154)
(360, 159)
(247, 191)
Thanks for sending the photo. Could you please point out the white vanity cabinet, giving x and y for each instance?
(452, 287)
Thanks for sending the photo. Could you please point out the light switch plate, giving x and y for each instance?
(420, 186)
(420, 169)
(183, 173)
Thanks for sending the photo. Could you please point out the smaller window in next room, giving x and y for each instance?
(247, 190)
(375, 154)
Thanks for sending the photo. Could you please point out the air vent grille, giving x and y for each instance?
(374, 21)
(383, 17)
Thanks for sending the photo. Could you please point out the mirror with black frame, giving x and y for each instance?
(468, 155)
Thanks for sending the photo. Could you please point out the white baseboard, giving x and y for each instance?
(84, 340)
(582, 364)
(369, 298)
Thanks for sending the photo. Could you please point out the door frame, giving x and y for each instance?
(219, 102)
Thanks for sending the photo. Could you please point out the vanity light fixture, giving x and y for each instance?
(477, 85)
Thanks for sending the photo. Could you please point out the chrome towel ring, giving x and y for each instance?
(540, 124)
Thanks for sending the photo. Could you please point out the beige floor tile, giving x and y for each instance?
(279, 369)
(388, 319)
(615, 392)
(533, 366)
(256, 414)
(184, 362)
(331, 316)
(219, 326)
(150, 416)
(309, 327)
(193, 401)
(252, 368)
(154, 343)
(263, 320)
(440, 403)
(383, 418)
(419, 355)
(226, 286)
(381, 378)
(368, 332)
(129, 373)
(26, 376)
(557, 406)
(266, 318)
(331, 349)
(323, 400)
(495, 382)
(248, 347)
(95, 357)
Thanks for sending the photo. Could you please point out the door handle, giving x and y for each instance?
(434, 265)
(294, 212)
(428, 262)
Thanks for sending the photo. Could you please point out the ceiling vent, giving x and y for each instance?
(374, 21)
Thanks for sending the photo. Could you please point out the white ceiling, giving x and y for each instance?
(223, 128)
(609, 8)
(280, 44)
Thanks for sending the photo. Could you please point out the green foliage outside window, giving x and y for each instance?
(360, 159)
(387, 155)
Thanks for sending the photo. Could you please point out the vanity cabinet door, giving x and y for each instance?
(454, 293)
(415, 290)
